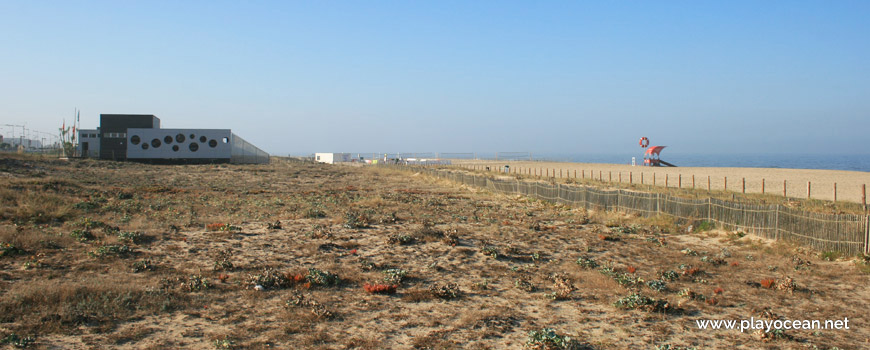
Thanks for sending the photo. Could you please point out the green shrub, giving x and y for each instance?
(17, 341)
(548, 339)
(830, 255)
(322, 278)
(447, 291)
(394, 276)
(144, 265)
(704, 226)
(82, 235)
(119, 250)
(133, 237)
(638, 301)
(269, 278)
(7, 249)
(355, 220)
(657, 285)
(587, 262)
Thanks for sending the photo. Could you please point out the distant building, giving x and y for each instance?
(26, 143)
(139, 137)
(332, 158)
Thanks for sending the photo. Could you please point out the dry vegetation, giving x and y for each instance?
(300, 255)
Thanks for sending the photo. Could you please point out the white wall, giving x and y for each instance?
(178, 143)
(332, 158)
(323, 157)
(93, 143)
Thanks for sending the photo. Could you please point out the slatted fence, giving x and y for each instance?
(845, 233)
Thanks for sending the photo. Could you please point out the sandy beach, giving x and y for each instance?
(848, 183)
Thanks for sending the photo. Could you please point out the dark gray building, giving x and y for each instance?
(113, 132)
(138, 137)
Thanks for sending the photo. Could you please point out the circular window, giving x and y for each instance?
(155, 143)
(179, 138)
(192, 136)
(144, 146)
(193, 146)
(175, 148)
(135, 139)
(202, 139)
(212, 143)
(167, 140)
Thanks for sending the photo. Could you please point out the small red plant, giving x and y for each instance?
(214, 227)
(223, 277)
(718, 290)
(692, 271)
(602, 237)
(631, 269)
(380, 288)
(734, 263)
(768, 283)
(353, 251)
(297, 278)
(712, 301)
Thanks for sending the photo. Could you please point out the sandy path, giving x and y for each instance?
(848, 183)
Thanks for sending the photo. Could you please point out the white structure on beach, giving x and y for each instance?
(332, 158)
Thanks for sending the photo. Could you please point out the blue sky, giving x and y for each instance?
(463, 76)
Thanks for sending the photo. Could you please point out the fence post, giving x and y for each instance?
(864, 196)
(666, 179)
(630, 178)
(744, 185)
(709, 209)
(641, 177)
(654, 180)
(835, 192)
(693, 181)
(658, 200)
(725, 186)
(784, 192)
(762, 185)
(680, 181)
(708, 183)
(609, 176)
(867, 234)
(575, 173)
(808, 189)
(776, 223)
(600, 178)
(620, 177)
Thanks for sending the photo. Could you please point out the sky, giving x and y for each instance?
(297, 77)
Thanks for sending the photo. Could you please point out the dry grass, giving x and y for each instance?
(69, 284)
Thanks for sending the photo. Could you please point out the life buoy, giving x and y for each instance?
(644, 142)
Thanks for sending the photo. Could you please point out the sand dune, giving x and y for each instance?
(849, 183)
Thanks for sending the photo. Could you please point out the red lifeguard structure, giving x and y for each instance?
(651, 156)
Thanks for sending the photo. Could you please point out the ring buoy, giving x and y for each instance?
(644, 142)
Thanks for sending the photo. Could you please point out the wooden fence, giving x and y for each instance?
(845, 233)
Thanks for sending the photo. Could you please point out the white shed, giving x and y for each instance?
(332, 158)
